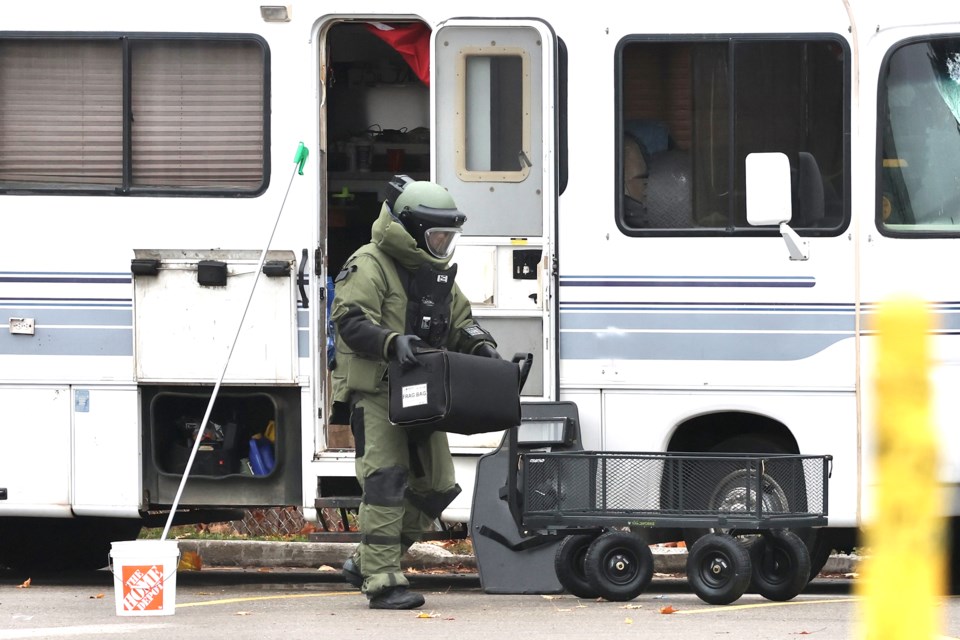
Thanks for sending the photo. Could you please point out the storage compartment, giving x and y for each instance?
(238, 423)
(249, 453)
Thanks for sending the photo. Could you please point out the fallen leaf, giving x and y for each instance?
(628, 621)
(424, 614)
(632, 606)
(546, 597)
(667, 609)
(264, 569)
(189, 561)
(96, 597)
(26, 584)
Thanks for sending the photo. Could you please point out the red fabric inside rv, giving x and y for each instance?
(410, 40)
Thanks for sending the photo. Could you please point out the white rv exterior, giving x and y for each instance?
(600, 157)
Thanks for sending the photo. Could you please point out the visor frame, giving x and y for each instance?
(429, 217)
(450, 245)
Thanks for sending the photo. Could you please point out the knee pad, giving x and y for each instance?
(386, 487)
(434, 502)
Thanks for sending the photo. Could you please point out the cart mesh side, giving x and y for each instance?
(669, 489)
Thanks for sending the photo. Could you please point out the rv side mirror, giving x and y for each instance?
(768, 199)
(768, 188)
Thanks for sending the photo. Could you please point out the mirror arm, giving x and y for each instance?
(799, 248)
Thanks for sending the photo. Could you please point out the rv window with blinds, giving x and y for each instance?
(133, 115)
(689, 113)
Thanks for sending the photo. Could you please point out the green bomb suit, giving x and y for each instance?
(407, 479)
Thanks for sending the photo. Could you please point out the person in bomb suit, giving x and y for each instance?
(394, 295)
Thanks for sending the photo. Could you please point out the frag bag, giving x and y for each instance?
(455, 392)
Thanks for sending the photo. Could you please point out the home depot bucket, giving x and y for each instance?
(145, 576)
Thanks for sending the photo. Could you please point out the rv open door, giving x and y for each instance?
(493, 107)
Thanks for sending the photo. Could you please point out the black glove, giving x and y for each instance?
(402, 348)
(487, 350)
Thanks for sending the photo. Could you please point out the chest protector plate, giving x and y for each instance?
(428, 302)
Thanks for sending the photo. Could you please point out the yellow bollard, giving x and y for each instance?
(903, 576)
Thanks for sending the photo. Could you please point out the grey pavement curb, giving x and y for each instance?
(422, 556)
(311, 555)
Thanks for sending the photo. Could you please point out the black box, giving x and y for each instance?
(214, 457)
(455, 392)
(211, 460)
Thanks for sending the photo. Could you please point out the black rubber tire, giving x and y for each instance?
(780, 565)
(816, 540)
(820, 545)
(618, 566)
(718, 568)
(569, 566)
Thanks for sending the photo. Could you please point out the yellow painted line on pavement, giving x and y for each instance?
(740, 607)
(287, 596)
(792, 603)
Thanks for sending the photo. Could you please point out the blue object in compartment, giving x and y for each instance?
(261, 456)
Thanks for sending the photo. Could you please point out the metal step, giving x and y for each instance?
(344, 505)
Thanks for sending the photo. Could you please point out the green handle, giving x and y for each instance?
(300, 158)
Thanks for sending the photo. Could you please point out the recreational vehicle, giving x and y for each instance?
(688, 214)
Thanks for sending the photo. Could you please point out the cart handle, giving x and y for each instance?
(525, 362)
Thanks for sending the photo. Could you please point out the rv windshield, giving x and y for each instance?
(920, 133)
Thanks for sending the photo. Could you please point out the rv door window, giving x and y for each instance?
(691, 112)
(197, 114)
(495, 122)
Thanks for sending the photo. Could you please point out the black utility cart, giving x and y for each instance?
(582, 508)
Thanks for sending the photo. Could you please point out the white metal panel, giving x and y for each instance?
(184, 330)
(106, 451)
(35, 460)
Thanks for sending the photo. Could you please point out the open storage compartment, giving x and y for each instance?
(235, 437)
(249, 454)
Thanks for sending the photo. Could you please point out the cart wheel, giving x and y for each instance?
(618, 566)
(569, 565)
(781, 565)
(718, 568)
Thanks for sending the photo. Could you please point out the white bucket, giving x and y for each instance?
(145, 576)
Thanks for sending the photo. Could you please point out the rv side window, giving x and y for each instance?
(494, 140)
(196, 114)
(689, 113)
(919, 130)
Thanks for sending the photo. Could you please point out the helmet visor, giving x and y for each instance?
(441, 241)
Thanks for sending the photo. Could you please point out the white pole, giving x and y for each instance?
(223, 372)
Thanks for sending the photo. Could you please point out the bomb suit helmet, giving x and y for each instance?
(428, 212)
